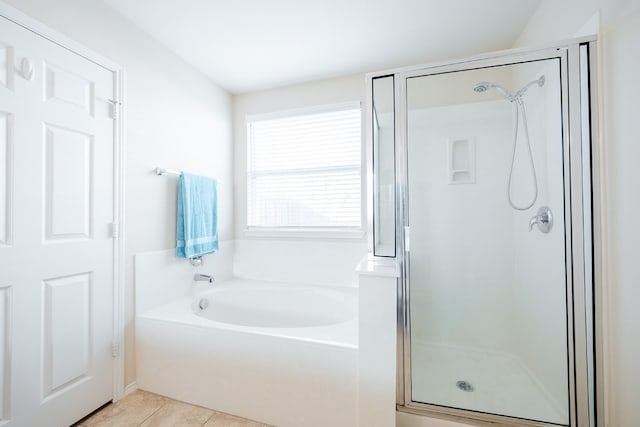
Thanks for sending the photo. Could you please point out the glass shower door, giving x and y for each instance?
(486, 268)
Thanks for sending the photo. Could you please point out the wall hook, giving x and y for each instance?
(27, 69)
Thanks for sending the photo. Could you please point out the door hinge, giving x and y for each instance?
(115, 349)
(407, 239)
(115, 230)
(114, 109)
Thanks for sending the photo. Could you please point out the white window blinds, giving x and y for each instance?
(304, 170)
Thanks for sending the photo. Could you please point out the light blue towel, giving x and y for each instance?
(197, 222)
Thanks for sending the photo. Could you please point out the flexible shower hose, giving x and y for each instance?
(517, 105)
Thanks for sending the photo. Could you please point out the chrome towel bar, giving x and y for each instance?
(163, 171)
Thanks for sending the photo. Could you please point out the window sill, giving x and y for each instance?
(311, 233)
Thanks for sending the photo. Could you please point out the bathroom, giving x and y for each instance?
(176, 118)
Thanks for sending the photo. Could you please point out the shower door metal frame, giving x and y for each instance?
(577, 216)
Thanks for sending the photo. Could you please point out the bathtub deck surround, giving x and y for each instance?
(286, 343)
(378, 281)
(145, 409)
(289, 382)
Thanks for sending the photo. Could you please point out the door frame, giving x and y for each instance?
(118, 318)
(579, 221)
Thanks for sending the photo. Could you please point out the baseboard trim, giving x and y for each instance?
(130, 388)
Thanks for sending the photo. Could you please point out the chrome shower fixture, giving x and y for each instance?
(518, 109)
(485, 86)
(482, 87)
(539, 81)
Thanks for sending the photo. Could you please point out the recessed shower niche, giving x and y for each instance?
(461, 160)
(495, 319)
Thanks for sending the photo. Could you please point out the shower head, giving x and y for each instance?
(485, 86)
(482, 87)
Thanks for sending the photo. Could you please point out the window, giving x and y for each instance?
(304, 170)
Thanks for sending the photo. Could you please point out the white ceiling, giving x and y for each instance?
(247, 45)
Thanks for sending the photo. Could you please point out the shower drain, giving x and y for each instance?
(465, 386)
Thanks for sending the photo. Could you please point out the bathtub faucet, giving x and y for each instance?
(202, 278)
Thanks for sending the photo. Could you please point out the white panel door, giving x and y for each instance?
(56, 250)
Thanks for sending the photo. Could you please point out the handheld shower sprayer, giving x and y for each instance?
(518, 108)
(485, 86)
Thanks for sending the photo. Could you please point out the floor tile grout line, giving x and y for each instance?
(165, 404)
(152, 414)
(209, 419)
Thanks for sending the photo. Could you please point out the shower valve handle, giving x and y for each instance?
(544, 220)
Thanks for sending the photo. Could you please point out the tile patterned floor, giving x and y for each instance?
(144, 409)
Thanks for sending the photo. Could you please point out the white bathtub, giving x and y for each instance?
(276, 305)
(278, 353)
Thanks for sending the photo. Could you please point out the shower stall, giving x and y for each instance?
(480, 186)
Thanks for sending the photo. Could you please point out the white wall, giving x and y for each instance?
(620, 67)
(314, 262)
(174, 118)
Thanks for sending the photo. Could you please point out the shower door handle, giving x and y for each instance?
(544, 220)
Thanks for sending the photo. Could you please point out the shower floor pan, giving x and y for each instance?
(490, 382)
